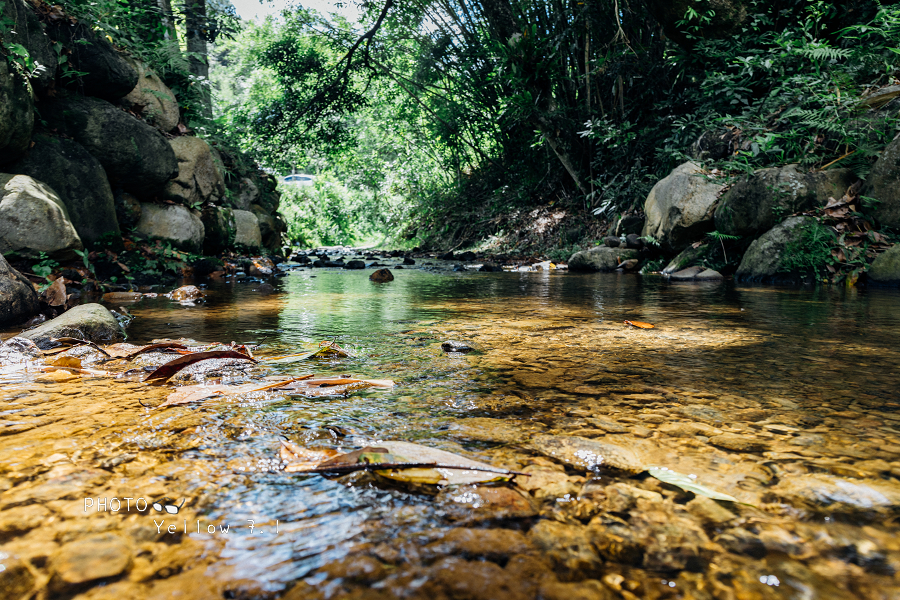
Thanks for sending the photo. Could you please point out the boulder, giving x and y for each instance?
(199, 179)
(136, 156)
(885, 270)
(247, 233)
(709, 275)
(128, 209)
(758, 202)
(765, 258)
(688, 257)
(381, 276)
(268, 229)
(628, 224)
(108, 74)
(245, 194)
(80, 181)
(883, 184)
(601, 258)
(91, 322)
(219, 229)
(686, 274)
(16, 114)
(29, 33)
(18, 298)
(152, 98)
(33, 219)
(680, 207)
(172, 223)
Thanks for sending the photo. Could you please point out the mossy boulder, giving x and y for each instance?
(29, 32)
(16, 114)
(107, 74)
(784, 253)
(600, 259)
(247, 233)
(135, 155)
(758, 202)
(92, 322)
(885, 270)
(220, 229)
(152, 98)
(883, 184)
(80, 181)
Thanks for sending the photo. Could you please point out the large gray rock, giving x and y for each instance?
(16, 114)
(199, 179)
(135, 155)
(18, 299)
(680, 207)
(246, 193)
(91, 322)
(152, 98)
(247, 232)
(107, 74)
(885, 269)
(758, 202)
(172, 223)
(268, 228)
(33, 219)
(883, 184)
(80, 181)
(688, 257)
(765, 258)
(219, 229)
(29, 33)
(601, 258)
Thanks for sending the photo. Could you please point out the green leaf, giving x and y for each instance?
(687, 484)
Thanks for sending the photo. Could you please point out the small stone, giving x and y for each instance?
(355, 264)
(688, 429)
(586, 454)
(489, 544)
(266, 289)
(621, 497)
(381, 276)
(643, 398)
(739, 443)
(15, 578)
(608, 426)
(634, 241)
(359, 569)
(612, 241)
(821, 492)
(709, 511)
(18, 520)
(569, 547)
(456, 346)
(95, 557)
(740, 541)
(186, 293)
(408, 261)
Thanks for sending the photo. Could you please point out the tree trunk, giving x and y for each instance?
(196, 26)
(168, 19)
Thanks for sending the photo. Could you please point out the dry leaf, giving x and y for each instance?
(640, 324)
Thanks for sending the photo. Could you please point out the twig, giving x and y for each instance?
(400, 466)
(837, 159)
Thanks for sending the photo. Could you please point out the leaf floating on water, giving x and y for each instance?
(409, 463)
(335, 386)
(66, 361)
(640, 324)
(170, 368)
(324, 349)
(115, 297)
(687, 484)
(298, 460)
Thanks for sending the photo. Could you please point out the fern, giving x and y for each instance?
(819, 51)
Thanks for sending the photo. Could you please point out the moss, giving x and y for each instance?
(810, 249)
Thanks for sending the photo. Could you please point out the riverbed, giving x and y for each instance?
(785, 399)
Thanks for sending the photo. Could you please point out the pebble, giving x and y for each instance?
(587, 454)
(95, 557)
(740, 443)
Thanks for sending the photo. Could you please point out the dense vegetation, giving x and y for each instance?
(448, 122)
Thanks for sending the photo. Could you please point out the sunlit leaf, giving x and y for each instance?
(687, 484)
(196, 393)
(640, 324)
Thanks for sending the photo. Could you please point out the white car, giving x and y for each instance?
(299, 179)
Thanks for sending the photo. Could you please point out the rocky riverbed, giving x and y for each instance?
(783, 400)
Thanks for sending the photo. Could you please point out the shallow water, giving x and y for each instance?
(786, 399)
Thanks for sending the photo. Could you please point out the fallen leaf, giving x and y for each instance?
(411, 463)
(196, 393)
(324, 349)
(66, 361)
(170, 368)
(152, 347)
(55, 295)
(687, 484)
(299, 459)
(640, 324)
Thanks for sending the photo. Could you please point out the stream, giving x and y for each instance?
(786, 399)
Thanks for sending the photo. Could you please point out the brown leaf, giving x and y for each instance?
(55, 295)
(169, 369)
(196, 393)
(113, 297)
(152, 347)
(640, 324)
(301, 459)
